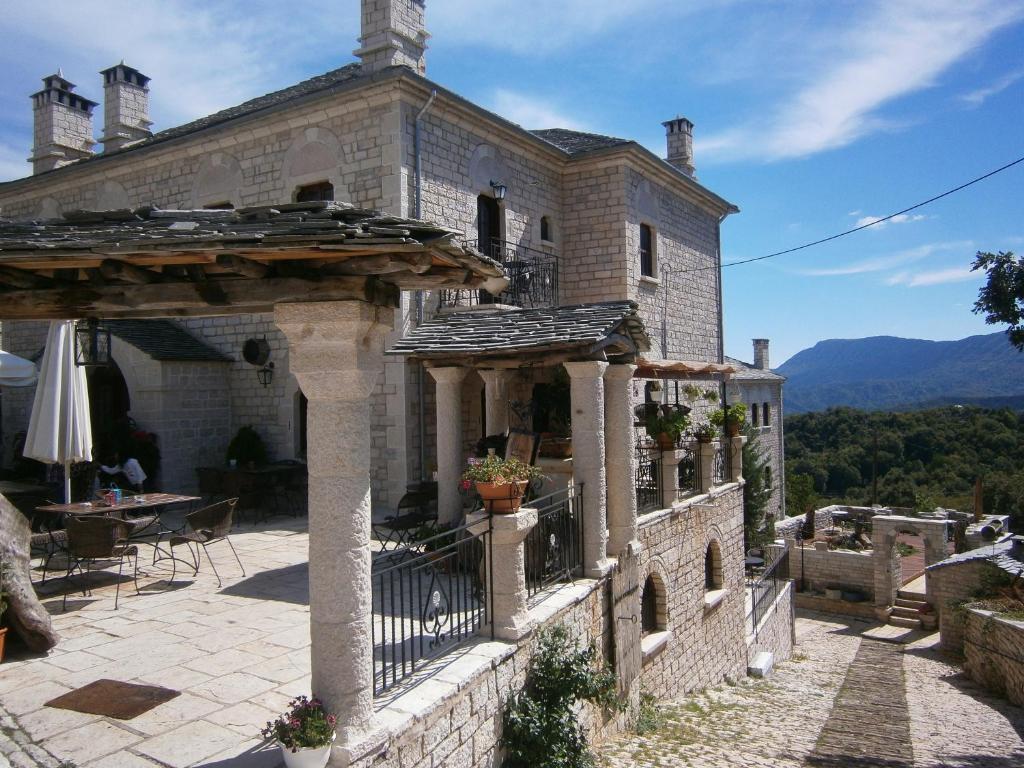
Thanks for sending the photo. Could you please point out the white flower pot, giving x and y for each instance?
(306, 757)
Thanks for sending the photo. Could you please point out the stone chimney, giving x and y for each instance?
(125, 107)
(761, 354)
(393, 34)
(62, 125)
(679, 133)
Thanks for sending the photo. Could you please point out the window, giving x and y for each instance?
(646, 251)
(768, 478)
(649, 607)
(545, 230)
(766, 415)
(753, 415)
(712, 567)
(311, 193)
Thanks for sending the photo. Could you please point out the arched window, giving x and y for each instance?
(311, 193)
(753, 415)
(545, 230)
(649, 607)
(713, 567)
(766, 415)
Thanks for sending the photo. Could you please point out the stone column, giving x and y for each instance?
(449, 442)
(620, 457)
(335, 350)
(736, 457)
(496, 398)
(668, 478)
(505, 563)
(707, 465)
(586, 391)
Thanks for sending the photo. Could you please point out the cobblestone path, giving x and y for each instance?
(872, 695)
(839, 686)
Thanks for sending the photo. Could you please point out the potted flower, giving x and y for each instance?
(434, 543)
(665, 424)
(304, 733)
(3, 609)
(500, 482)
(705, 433)
(731, 418)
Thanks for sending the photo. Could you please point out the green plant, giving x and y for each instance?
(667, 419)
(305, 725)
(541, 729)
(649, 717)
(705, 433)
(431, 536)
(495, 469)
(247, 447)
(905, 550)
(732, 416)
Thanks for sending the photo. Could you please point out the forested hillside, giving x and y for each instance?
(922, 458)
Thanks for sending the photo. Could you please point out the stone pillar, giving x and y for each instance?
(335, 350)
(707, 465)
(620, 457)
(668, 478)
(505, 563)
(449, 442)
(736, 457)
(586, 391)
(496, 398)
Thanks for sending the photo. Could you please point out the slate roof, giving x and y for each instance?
(582, 327)
(578, 143)
(747, 372)
(998, 554)
(165, 340)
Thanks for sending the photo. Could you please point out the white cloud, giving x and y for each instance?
(883, 263)
(902, 218)
(934, 277)
(893, 50)
(531, 112)
(977, 97)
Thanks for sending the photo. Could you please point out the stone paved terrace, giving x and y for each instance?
(848, 699)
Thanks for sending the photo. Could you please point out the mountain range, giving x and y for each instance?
(894, 374)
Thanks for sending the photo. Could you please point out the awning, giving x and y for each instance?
(681, 369)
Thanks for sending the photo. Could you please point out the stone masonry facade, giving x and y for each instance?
(993, 648)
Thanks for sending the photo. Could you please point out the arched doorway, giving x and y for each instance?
(109, 404)
(886, 532)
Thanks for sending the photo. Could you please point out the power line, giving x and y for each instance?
(882, 220)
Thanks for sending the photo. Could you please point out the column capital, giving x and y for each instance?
(586, 369)
(448, 374)
(493, 374)
(618, 371)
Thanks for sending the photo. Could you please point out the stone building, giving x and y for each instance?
(574, 219)
(760, 389)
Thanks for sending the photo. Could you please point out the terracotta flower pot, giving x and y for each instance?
(665, 441)
(502, 498)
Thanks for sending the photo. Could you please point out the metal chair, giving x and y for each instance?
(202, 528)
(414, 510)
(91, 538)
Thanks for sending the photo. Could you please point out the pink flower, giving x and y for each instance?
(465, 484)
(331, 720)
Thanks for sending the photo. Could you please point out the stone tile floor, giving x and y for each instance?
(817, 704)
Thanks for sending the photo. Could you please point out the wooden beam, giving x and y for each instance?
(112, 269)
(242, 265)
(20, 278)
(211, 297)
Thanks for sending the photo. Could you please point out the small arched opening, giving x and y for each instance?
(713, 567)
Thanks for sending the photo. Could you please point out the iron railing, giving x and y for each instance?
(429, 603)
(719, 463)
(767, 587)
(554, 546)
(688, 473)
(532, 278)
(648, 478)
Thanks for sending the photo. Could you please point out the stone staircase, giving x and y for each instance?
(908, 609)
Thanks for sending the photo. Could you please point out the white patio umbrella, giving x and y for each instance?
(16, 371)
(59, 431)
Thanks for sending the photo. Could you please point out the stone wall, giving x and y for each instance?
(787, 528)
(776, 631)
(769, 436)
(825, 568)
(994, 653)
(947, 586)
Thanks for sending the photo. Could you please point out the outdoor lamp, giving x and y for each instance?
(499, 190)
(92, 343)
(266, 374)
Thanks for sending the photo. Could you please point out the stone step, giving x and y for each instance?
(917, 605)
(903, 612)
(911, 595)
(899, 621)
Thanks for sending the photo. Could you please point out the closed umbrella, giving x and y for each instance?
(59, 431)
(16, 371)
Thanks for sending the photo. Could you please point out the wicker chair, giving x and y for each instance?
(202, 528)
(91, 538)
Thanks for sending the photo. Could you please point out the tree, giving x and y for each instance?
(756, 493)
(1001, 299)
(800, 495)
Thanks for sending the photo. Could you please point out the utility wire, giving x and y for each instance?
(947, 193)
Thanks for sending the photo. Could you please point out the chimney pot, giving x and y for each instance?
(761, 354)
(393, 34)
(62, 124)
(679, 134)
(125, 106)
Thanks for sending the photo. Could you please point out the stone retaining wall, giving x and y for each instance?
(824, 568)
(994, 653)
(775, 633)
(788, 527)
(946, 586)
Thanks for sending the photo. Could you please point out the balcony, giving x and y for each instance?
(532, 276)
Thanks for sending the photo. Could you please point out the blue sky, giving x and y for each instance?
(811, 116)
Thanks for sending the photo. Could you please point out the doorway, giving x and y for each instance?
(488, 234)
(109, 404)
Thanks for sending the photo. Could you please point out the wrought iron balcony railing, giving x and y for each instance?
(532, 278)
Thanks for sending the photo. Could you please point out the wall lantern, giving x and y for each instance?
(499, 190)
(92, 344)
(266, 374)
